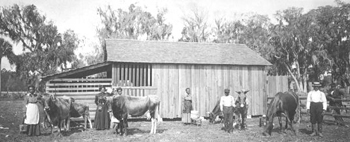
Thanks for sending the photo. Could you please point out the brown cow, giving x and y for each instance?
(122, 106)
(78, 110)
(57, 111)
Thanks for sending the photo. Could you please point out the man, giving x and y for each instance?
(316, 105)
(227, 104)
(334, 100)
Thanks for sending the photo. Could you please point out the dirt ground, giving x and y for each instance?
(167, 131)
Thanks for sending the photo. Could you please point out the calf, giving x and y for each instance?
(78, 110)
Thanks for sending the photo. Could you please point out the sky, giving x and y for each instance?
(81, 15)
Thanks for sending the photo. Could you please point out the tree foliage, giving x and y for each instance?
(132, 24)
(44, 48)
(196, 26)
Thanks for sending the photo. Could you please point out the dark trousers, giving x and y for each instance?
(228, 118)
(316, 110)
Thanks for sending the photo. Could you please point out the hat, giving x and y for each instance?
(316, 84)
(227, 90)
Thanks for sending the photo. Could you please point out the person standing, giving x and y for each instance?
(227, 104)
(102, 120)
(187, 107)
(115, 121)
(32, 115)
(316, 105)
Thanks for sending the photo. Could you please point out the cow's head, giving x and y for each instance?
(211, 117)
(242, 98)
(48, 99)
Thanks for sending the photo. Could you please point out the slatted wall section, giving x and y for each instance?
(207, 84)
(276, 84)
(131, 74)
(83, 90)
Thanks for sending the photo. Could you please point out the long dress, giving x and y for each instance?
(186, 113)
(32, 115)
(102, 120)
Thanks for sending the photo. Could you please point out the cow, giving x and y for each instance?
(78, 110)
(240, 111)
(241, 108)
(122, 106)
(283, 105)
(216, 112)
(57, 111)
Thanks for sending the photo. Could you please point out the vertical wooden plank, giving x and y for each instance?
(117, 72)
(144, 75)
(130, 74)
(201, 89)
(181, 87)
(114, 74)
(137, 83)
(141, 74)
(166, 94)
(249, 79)
(126, 73)
(220, 87)
(133, 72)
(176, 90)
(149, 75)
(122, 76)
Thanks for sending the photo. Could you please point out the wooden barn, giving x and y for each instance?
(166, 69)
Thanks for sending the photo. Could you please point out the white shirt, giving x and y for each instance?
(227, 101)
(316, 96)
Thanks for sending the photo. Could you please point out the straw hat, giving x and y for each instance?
(316, 84)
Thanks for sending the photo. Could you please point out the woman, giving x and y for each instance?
(102, 120)
(115, 121)
(187, 107)
(32, 112)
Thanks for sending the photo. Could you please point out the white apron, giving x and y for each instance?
(32, 114)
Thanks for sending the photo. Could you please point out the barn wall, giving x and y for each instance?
(207, 83)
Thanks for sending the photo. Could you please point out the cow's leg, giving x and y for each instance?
(68, 124)
(152, 126)
(85, 122)
(269, 126)
(291, 118)
(280, 122)
(89, 119)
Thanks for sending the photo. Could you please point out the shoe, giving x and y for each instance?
(320, 130)
(313, 130)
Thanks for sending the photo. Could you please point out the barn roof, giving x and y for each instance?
(181, 53)
(81, 72)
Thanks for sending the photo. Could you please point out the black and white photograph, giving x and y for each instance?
(175, 70)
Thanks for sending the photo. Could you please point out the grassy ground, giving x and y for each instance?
(168, 131)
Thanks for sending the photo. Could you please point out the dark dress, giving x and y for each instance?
(32, 114)
(186, 113)
(102, 120)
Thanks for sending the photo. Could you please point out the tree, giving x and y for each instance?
(334, 37)
(44, 49)
(196, 27)
(6, 51)
(132, 24)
